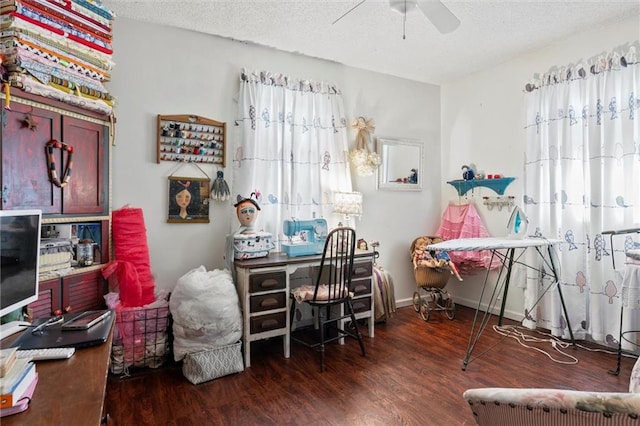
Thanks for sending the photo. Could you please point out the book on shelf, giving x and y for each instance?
(16, 382)
(8, 357)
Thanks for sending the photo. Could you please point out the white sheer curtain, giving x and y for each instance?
(582, 177)
(292, 148)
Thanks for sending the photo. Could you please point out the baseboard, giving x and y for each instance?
(473, 304)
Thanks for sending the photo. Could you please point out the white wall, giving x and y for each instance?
(163, 70)
(483, 122)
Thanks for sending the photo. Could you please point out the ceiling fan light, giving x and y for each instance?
(403, 6)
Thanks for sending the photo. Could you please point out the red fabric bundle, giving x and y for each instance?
(132, 264)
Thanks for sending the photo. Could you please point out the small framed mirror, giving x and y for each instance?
(401, 164)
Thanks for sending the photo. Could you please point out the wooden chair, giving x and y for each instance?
(331, 295)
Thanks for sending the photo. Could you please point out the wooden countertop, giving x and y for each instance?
(69, 392)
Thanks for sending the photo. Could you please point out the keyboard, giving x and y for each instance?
(45, 354)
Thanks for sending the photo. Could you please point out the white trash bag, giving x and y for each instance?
(205, 310)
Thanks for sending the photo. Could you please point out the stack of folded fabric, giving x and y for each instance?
(60, 49)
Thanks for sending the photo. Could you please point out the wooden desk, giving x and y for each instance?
(69, 392)
(263, 288)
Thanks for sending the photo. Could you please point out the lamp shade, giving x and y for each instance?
(347, 203)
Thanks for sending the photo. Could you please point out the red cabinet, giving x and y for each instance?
(77, 292)
(25, 131)
(49, 299)
(25, 182)
(83, 292)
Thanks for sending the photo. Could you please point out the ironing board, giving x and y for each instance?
(504, 249)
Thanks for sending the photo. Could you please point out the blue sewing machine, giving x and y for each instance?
(306, 237)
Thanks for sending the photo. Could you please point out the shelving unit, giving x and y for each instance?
(497, 185)
(85, 201)
(191, 138)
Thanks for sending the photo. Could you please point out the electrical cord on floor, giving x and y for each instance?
(522, 338)
(558, 345)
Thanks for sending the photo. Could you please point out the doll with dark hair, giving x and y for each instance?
(180, 191)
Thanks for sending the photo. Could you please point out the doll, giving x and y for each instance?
(443, 255)
(421, 256)
(247, 212)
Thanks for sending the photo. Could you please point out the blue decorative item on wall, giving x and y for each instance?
(498, 185)
(468, 173)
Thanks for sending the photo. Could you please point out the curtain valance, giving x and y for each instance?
(611, 61)
(276, 79)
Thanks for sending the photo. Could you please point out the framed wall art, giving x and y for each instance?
(188, 200)
(401, 168)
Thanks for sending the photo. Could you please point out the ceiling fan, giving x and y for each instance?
(439, 15)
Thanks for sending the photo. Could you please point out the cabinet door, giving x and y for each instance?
(83, 292)
(86, 191)
(48, 299)
(25, 178)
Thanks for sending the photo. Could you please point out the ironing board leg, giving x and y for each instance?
(564, 306)
(506, 286)
(487, 313)
(619, 356)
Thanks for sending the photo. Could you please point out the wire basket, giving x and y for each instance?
(140, 338)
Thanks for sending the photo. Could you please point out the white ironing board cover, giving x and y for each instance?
(491, 243)
(631, 286)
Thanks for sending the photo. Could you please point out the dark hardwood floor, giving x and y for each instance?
(411, 375)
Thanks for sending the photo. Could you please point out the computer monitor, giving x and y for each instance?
(19, 263)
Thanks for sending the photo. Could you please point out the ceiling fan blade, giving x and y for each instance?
(439, 15)
(348, 11)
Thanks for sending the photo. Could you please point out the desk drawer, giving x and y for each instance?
(267, 281)
(267, 302)
(360, 287)
(362, 270)
(268, 322)
(362, 304)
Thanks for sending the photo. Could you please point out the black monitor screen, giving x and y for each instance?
(19, 252)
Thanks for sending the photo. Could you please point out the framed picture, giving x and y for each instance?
(188, 200)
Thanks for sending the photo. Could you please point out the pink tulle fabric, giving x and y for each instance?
(464, 221)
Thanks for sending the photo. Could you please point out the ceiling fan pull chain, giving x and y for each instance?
(404, 22)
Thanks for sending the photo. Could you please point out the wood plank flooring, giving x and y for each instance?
(411, 375)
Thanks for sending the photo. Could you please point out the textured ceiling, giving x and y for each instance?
(371, 36)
